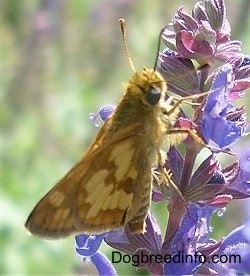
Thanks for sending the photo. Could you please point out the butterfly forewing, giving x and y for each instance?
(97, 194)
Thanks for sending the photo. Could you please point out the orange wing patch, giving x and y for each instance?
(94, 196)
(109, 190)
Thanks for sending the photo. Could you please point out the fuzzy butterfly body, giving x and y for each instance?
(110, 187)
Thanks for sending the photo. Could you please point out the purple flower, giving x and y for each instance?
(234, 250)
(222, 124)
(102, 115)
(196, 253)
(87, 245)
(87, 248)
(241, 69)
(242, 181)
(204, 36)
(190, 240)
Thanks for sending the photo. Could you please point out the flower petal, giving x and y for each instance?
(88, 245)
(103, 264)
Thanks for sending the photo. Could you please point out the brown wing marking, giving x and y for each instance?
(68, 207)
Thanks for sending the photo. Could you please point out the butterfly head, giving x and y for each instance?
(147, 86)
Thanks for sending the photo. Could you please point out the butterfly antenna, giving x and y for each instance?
(158, 47)
(124, 37)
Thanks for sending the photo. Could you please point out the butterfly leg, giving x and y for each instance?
(164, 181)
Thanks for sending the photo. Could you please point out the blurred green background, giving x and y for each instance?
(61, 60)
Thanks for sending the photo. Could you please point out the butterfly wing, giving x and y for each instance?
(98, 193)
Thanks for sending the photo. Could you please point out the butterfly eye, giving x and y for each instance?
(153, 96)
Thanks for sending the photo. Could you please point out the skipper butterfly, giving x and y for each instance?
(110, 187)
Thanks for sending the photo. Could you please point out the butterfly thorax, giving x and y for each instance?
(141, 110)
